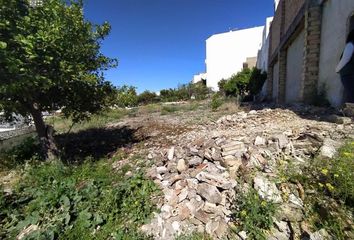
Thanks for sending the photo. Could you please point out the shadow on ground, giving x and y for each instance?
(96, 143)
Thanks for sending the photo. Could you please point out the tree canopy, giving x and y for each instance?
(50, 59)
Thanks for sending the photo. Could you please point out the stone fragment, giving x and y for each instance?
(242, 235)
(216, 154)
(202, 216)
(194, 205)
(209, 192)
(210, 207)
(211, 226)
(215, 180)
(231, 161)
(282, 140)
(194, 161)
(259, 141)
(161, 170)
(233, 148)
(181, 166)
(328, 149)
(183, 195)
(183, 212)
(267, 189)
(320, 235)
(290, 213)
(170, 153)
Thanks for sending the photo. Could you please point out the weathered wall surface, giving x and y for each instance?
(294, 71)
(275, 30)
(275, 81)
(333, 35)
(292, 9)
(226, 53)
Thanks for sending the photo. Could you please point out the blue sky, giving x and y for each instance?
(161, 43)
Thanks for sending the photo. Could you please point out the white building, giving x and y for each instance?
(263, 53)
(199, 77)
(226, 53)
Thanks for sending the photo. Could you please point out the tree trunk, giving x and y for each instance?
(45, 134)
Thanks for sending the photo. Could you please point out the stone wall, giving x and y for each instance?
(292, 8)
(15, 133)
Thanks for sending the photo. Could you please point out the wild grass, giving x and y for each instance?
(88, 201)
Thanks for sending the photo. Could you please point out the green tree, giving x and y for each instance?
(50, 59)
(256, 81)
(127, 96)
(147, 97)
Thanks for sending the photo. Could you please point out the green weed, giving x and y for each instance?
(89, 201)
(254, 215)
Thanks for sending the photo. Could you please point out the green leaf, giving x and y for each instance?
(3, 45)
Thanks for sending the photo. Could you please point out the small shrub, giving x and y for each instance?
(254, 215)
(319, 98)
(83, 202)
(216, 102)
(28, 149)
(167, 109)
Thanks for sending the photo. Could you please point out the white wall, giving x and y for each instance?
(294, 70)
(226, 53)
(333, 35)
(262, 58)
(199, 77)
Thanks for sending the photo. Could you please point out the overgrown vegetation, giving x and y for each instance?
(331, 205)
(216, 101)
(246, 82)
(89, 201)
(253, 215)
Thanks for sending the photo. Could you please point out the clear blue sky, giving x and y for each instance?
(161, 43)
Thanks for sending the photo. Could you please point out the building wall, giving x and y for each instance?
(333, 35)
(275, 30)
(275, 93)
(199, 77)
(292, 9)
(263, 53)
(294, 71)
(226, 53)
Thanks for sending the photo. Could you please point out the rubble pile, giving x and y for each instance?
(200, 174)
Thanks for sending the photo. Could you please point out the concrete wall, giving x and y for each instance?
(226, 53)
(333, 34)
(275, 30)
(275, 81)
(294, 71)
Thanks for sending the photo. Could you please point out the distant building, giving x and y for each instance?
(199, 78)
(307, 38)
(227, 52)
(263, 53)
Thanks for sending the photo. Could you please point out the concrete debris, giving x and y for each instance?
(198, 180)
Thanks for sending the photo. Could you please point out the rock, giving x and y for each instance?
(320, 235)
(211, 227)
(290, 213)
(222, 229)
(215, 180)
(209, 192)
(259, 141)
(183, 212)
(328, 149)
(242, 235)
(194, 206)
(282, 140)
(194, 161)
(170, 153)
(340, 120)
(161, 170)
(181, 166)
(183, 195)
(266, 189)
(210, 207)
(231, 161)
(234, 148)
